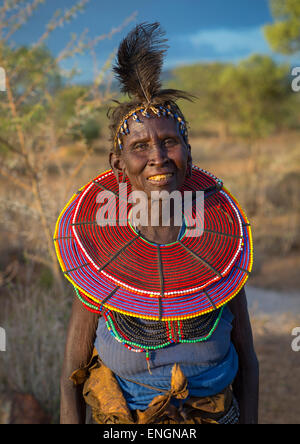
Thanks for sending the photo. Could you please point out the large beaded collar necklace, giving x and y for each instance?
(178, 289)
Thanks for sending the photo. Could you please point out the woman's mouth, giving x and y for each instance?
(160, 179)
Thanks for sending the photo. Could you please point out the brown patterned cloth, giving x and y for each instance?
(103, 393)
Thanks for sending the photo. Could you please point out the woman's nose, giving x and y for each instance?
(157, 155)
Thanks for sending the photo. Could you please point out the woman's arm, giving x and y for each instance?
(246, 383)
(78, 352)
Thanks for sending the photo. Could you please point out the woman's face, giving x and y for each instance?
(154, 156)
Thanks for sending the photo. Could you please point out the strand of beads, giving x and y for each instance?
(153, 345)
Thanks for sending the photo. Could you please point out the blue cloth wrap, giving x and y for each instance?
(209, 366)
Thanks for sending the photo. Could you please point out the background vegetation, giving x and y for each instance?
(244, 128)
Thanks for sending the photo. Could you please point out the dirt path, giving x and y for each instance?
(273, 316)
(271, 302)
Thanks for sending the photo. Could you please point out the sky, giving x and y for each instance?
(197, 30)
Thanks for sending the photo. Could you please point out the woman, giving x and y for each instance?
(159, 330)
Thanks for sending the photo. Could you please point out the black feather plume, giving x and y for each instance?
(139, 62)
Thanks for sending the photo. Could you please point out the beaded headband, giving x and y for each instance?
(158, 111)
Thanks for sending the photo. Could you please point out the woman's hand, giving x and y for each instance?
(78, 351)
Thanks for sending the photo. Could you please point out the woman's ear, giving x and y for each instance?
(117, 166)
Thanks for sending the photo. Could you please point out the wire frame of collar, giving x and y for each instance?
(158, 111)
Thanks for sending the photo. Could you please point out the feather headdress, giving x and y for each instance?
(139, 65)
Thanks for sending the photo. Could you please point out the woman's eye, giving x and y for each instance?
(170, 142)
(140, 146)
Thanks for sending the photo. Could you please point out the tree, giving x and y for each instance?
(209, 110)
(39, 112)
(250, 99)
(257, 96)
(284, 35)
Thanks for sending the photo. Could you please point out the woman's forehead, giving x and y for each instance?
(147, 126)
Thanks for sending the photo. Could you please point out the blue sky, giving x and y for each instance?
(198, 30)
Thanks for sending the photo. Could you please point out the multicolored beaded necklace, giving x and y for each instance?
(143, 335)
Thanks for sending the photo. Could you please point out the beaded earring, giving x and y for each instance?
(123, 177)
(189, 171)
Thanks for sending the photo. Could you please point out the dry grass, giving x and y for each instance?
(35, 321)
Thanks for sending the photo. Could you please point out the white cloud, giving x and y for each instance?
(229, 41)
